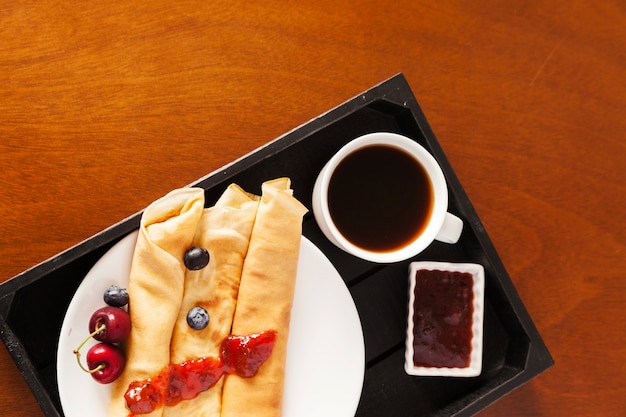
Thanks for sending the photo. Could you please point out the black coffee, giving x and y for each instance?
(380, 198)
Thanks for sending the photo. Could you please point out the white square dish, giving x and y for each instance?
(437, 325)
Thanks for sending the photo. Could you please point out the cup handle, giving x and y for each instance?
(451, 230)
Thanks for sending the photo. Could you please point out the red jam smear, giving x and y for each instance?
(239, 355)
(442, 320)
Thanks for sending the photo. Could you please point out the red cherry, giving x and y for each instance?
(105, 362)
(110, 324)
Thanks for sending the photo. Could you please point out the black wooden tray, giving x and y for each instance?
(513, 350)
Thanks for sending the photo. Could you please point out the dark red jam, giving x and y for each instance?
(442, 320)
(239, 355)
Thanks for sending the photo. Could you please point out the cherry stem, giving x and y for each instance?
(102, 327)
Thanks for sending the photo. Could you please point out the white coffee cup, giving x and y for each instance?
(440, 224)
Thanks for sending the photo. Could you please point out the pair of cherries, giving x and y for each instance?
(109, 325)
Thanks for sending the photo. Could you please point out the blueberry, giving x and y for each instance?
(116, 296)
(197, 318)
(196, 258)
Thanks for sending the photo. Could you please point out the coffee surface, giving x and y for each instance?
(380, 198)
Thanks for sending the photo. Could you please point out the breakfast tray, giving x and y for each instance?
(513, 351)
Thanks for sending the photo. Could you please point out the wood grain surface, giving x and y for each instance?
(106, 106)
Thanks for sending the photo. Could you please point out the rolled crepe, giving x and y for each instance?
(224, 230)
(265, 299)
(155, 288)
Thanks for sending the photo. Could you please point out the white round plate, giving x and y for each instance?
(326, 350)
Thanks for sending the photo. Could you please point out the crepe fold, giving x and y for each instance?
(224, 230)
(265, 299)
(156, 286)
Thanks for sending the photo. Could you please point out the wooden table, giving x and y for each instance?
(105, 107)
